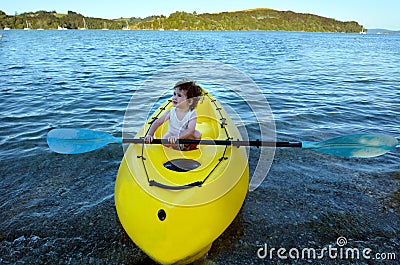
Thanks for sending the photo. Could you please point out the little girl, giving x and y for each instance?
(182, 117)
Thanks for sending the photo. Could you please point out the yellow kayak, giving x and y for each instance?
(173, 204)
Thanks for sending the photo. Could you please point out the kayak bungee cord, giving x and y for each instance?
(195, 183)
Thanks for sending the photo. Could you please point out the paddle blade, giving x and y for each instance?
(77, 141)
(355, 145)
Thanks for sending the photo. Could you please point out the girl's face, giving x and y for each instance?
(179, 99)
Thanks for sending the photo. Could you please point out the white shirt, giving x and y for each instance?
(175, 125)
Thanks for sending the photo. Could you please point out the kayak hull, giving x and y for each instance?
(174, 216)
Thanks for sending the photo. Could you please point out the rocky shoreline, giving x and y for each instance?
(68, 217)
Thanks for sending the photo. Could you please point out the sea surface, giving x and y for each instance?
(59, 209)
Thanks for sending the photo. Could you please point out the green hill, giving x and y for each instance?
(254, 19)
(53, 20)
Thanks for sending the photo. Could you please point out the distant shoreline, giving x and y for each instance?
(253, 19)
(370, 32)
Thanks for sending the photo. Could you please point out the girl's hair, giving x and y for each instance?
(193, 91)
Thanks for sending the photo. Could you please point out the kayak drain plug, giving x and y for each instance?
(162, 215)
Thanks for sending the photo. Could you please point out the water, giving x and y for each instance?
(59, 208)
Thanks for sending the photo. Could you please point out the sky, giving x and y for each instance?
(368, 13)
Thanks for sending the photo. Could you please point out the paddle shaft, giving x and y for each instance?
(77, 141)
(237, 143)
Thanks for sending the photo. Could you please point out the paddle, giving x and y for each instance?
(76, 141)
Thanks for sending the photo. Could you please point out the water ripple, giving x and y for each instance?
(86, 78)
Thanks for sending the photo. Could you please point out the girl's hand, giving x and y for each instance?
(148, 139)
(172, 139)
